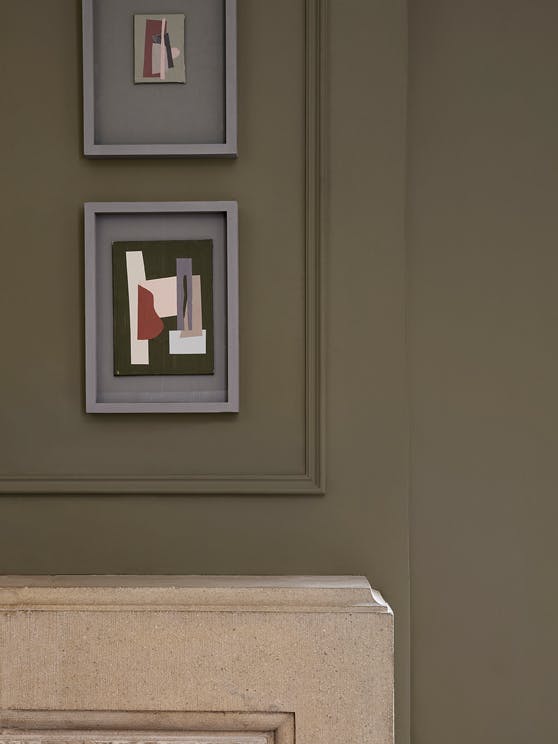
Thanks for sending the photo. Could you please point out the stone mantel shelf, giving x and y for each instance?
(285, 594)
(194, 660)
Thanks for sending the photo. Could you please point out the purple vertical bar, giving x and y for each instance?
(183, 269)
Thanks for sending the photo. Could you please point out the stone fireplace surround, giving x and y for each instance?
(194, 660)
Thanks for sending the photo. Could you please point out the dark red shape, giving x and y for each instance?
(150, 324)
(152, 28)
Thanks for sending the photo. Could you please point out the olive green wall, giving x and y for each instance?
(480, 271)
(483, 268)
(360, 525)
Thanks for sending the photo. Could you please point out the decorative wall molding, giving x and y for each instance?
(113, 727)
(118, 737)
(312, 480)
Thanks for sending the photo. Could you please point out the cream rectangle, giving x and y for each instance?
(135, 270)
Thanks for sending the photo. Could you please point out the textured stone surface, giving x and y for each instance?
(317, 648)
(80, 737)
(86, 737)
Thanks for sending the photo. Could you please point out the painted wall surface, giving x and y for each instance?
(360, 525)
(480, 271)
(483, 267)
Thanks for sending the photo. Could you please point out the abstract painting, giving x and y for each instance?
(159, 48)
(163, 307)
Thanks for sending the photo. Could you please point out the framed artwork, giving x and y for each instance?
(159, 48)
(159, 79)
(161, 307)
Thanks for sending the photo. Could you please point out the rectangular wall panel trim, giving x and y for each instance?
(312, 480)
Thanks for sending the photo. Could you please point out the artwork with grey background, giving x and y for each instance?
(128, 69)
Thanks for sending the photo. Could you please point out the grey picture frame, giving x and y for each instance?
(143, 404)
(94, 149)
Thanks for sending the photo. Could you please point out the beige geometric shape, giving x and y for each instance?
(196, 329)
(162, 50)
(156, 58)
(164, 294)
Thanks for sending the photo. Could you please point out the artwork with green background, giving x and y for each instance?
(163, 307)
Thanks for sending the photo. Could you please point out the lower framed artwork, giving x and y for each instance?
(161, 307)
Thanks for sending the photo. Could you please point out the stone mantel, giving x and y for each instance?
(193, 593)
(194, 660)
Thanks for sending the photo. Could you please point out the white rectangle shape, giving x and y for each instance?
(189, 345)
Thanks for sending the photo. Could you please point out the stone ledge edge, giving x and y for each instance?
(190, 593)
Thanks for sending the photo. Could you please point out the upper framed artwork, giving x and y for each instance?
(159, 78)
(161, 307)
